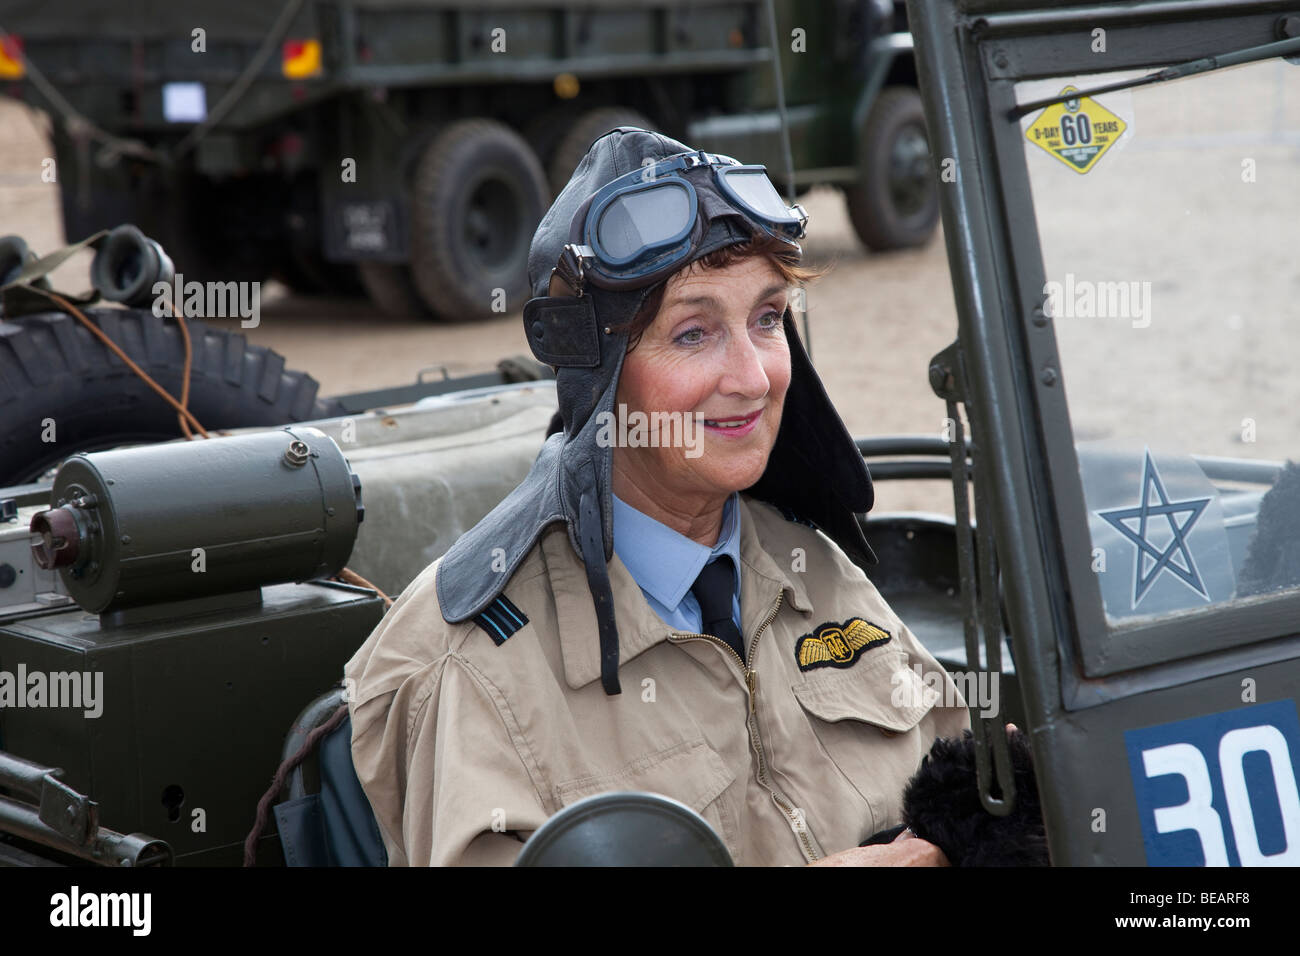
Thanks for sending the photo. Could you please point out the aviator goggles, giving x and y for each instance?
(642, 226)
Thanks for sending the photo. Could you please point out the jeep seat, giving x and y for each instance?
(334, 825)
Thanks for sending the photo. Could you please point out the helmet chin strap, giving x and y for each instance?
(602, 595)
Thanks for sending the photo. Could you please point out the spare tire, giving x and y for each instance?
(479, 194)
(584, 131)
(62, 391)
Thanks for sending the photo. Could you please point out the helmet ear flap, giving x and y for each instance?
(562, 331)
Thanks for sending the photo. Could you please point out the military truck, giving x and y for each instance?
(421, 142)
(1119, 402)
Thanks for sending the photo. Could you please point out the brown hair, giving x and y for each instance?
(777, 252)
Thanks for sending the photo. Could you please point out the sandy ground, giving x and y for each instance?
(1170, 209)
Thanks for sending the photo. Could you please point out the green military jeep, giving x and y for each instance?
(1116, 216)
(1115, 208)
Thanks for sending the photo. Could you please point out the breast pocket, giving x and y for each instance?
(866, 719)
(691, 772)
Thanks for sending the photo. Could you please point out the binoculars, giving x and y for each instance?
(126, 267)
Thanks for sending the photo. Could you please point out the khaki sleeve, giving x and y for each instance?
(446, 769)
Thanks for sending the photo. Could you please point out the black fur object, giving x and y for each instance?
(1273, 560)
(941, 804)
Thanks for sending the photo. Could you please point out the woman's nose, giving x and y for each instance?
(743, 372)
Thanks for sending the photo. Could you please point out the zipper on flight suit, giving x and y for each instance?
(751, 723)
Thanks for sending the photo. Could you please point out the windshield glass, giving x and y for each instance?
(1169, 217)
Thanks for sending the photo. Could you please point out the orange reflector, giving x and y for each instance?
(566, 86)
(11, 57)
(301, 59)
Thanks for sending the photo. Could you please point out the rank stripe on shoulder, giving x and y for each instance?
(500, 619)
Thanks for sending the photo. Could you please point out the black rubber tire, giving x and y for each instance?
(391, 290)
(52, 367)
(880, 221)
(479, 193)
(584, 131)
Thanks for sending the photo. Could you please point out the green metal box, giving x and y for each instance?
(194, 709)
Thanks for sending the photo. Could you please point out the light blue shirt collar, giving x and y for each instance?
(665, 564)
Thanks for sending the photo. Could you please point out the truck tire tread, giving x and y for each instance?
(54, 369)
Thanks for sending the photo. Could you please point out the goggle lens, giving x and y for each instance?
(643, 220)
(755, 190)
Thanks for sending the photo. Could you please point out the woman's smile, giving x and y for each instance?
(735, 426)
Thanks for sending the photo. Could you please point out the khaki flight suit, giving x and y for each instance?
(464, 746)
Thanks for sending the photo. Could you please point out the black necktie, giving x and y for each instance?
(714, 589)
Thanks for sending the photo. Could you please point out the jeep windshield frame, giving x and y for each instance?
(971, 56)
(1209, 64)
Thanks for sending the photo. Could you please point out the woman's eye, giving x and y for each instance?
(690, 337)
(769, 320)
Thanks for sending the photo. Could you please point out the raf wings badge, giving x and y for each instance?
(838, 645)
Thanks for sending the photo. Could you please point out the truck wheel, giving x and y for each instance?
(895, 203)
(579, 137)
(391, 289)
(62, 391)
(479, 194)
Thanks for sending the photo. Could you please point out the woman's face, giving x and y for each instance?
(717, 347)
